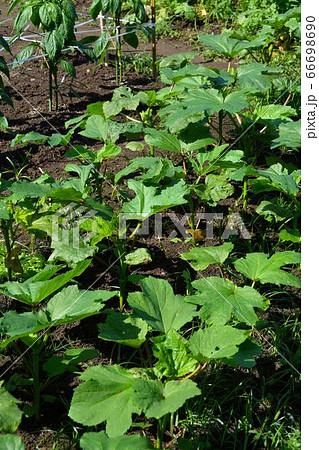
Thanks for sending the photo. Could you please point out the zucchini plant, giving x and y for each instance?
(32, 329)
(173, 356)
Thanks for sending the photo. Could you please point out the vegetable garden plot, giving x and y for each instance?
(150, 293)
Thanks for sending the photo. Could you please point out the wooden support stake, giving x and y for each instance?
(153, 18)
(102, 30)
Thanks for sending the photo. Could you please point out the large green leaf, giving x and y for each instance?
(67, 306)
(163, 140)
(289, 135)
(10, 414)
(258, 267)
(153, 169)
(222, 299)
(202, 257)
(56, 365)
(11, 442)
(272, 210)
(53, 44)
(173, 396)
(223, 44)
(100, 441)
(124, 329)
(278, 178)
(150, 200)
(123, 98)
(216, 342)
(113, 394)
(217, 187)
(174, 358)
(245, 357)
(138, 256)
(98, 128)
(36, 289)
(212, 101)
(107, 394)
(256, 77)
(159, 307)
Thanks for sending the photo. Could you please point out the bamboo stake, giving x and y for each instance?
(153, 18)
(102, 30)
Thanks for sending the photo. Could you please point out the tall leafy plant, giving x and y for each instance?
(56, 18)
(115, 7)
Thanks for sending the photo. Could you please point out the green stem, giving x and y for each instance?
(36, 380)
(161, 425)
(50, 90)
(5, 231)
(56, 89)
(220, 127)
(245, 195)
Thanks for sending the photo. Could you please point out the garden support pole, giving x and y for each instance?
(153, 18)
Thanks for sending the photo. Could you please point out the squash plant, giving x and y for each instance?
(56, 20)
(174, 356)
(32, 328)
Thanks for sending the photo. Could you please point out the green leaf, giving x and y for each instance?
(24, 54)
(68, 68)
(159, 307)
(108, 151)
(70, 254)
(216, 342)
(201, 258)
(57, 365)
(256, 77)
(245, 357)
(34, 290)
(290, 235)
(223, 44)
(272, 113)
(138, 256)
(10, 414)
(222, 299)
(11, 442)
(112, 394)
(174, 395)
(289, 135)
(96, 7)
(272, 210)
(153, 169)
(212, 101)
(72, 304)
(149, 200)
(23, 17)
(50, 15)
(162, 140)
(98, 441)
(53, 44)
(216, 188)
(279, 179)
(67, 306)
(97, 128)
(106, 395)
(174, 359)
(124, 329)
(123, 99)
(258, 267)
